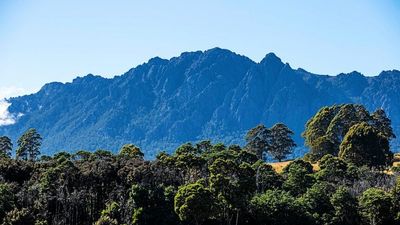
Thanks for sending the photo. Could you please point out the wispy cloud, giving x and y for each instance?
(6, 118)
(12, 91)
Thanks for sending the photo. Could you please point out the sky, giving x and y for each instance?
(45, 40)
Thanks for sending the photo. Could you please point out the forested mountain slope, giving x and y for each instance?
(215, 94)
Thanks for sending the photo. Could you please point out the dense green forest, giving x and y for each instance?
(349, 177)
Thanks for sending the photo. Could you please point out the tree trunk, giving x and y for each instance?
(237, 217)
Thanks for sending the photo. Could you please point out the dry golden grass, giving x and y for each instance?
(278, 166)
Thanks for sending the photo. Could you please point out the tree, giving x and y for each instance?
(194, 202)
(18, 217)
(277, 141)
(364, 145)
(243, 155)
(376, 207)
(396, 200)
(276, 207)
(347, 116)
(317, 127)
(266, 177)
(101, 154)
(382, 123)
(204, 146)
(332, 169)
(29, 145)
(257, 140)
(326, 130)
(280, 143)
(82, 155)
(345, 207)
(189, 162)
(151, 205)
(109, 215)
(298, 177)
(112, 210)
(187, 148)
(7, 199)
(106, 220)
(322, 146)
(316, 201)
(131, 151)
(233, 184)
(5, 146)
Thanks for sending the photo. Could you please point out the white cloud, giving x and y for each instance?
(6, 118)
(12, 91)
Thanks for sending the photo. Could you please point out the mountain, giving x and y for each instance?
(215, 94)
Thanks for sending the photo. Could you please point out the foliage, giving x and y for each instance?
(233, 184)
(29, 144)
(7, 199)
(206, 183)
(298, 176)
(194, 202)
(106, 220)
(276, 141)
(316, 202)
(333, 169)
(345, 207)
(276, 207)
(132, 151)
(396, 200)
(5, 146)
(257, 140)
(18, 217)
(281, 143)
(266, 177)
(364, 145)
(326, 130)
(376, 207)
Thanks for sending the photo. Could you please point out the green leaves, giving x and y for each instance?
(332, 169)
(276, 141)
(364, 145)
(207, 183)
(194, 202)
(7, 199)
(298, 176)
(376, 207)
(5, 146)
(326, 131)
(281, 143)
(276, 207)
(131, 151)
(29, 145)
(266, 177)
(345, 207)
(257, 140)
(316, 202)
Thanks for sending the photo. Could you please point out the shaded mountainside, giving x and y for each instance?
(215, 94)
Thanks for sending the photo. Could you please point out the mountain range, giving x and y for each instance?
(214, 94)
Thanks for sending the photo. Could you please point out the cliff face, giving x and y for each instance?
(215, 94)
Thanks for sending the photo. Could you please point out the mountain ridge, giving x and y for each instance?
(214, 94)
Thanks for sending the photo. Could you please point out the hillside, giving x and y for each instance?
(215, 94)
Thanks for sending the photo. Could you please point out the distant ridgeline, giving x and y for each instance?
(215, 94)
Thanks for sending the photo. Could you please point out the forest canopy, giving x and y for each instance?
(350, 176)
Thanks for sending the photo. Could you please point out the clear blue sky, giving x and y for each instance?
(48, 40)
